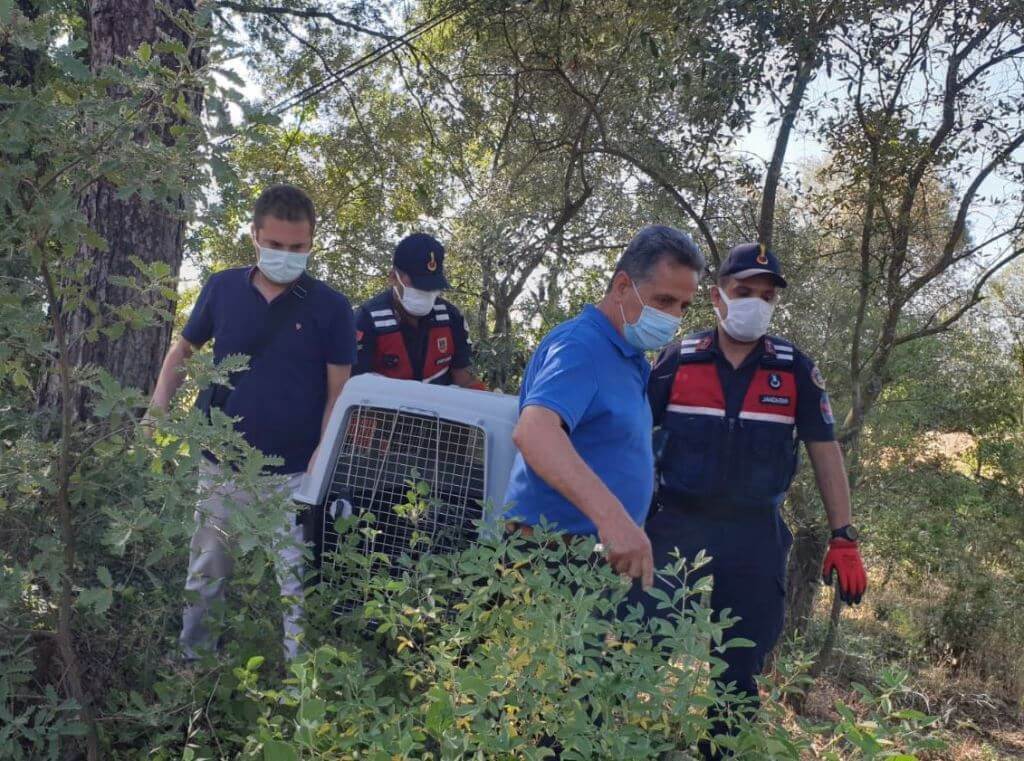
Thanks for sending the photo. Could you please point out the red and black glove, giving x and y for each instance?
(843, 558)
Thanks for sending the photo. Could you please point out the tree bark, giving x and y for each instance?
(805, 69)
(804, 566)
(132, 227)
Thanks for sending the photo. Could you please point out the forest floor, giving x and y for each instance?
(979, 718)
(975, 725)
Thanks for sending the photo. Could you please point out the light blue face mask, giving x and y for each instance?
(652, 330)
(281, 267)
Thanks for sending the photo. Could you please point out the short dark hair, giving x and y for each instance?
(652, 243)
(284, 202)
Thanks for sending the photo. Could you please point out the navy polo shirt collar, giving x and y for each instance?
(300, 287)
(596, 317)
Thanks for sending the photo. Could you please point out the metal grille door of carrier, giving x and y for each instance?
(384, 452)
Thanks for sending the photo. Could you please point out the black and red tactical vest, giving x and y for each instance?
(742, 458)
(390, 356)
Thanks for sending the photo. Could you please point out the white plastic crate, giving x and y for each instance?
(384, 434)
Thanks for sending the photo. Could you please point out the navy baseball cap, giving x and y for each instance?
(421, 257)
(751, 259)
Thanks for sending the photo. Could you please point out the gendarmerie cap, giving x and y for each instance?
(751, 259)
(421, 257)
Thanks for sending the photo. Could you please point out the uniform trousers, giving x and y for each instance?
(749, 552)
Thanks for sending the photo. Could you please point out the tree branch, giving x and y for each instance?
(278, 11)
(659, 178)
(960, 222)
(972, 299)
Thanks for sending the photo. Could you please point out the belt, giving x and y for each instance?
(710, 508)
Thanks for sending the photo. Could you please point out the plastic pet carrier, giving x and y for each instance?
(386, 437)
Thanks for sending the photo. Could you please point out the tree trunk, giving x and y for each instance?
(503, 335)
(804, 561)
(805, 69)
(131, 227)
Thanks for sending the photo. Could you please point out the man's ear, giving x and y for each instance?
(620, 284)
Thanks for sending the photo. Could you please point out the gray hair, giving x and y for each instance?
(652, 243)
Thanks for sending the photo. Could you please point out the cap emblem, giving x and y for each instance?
(762, 258)
(432, 263)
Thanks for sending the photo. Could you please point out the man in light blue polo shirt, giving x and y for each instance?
(585, 463)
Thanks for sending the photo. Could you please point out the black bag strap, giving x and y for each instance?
(279, 315)
(216, 395)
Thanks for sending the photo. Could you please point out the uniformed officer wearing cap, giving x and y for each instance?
(409, 332)
(731, 404)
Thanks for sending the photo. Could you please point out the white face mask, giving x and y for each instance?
(746, 319)
(416, 302)
(281, 267)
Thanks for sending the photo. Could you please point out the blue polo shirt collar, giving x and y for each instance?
(595, 316)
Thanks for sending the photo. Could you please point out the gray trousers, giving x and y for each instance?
(210, 563)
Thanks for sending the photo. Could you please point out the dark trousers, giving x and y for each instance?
(749, 553)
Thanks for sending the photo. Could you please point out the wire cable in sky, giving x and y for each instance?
(367, 60)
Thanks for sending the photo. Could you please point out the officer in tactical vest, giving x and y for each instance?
(409, 332)
(732, 404)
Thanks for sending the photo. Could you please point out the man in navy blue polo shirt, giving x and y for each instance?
(732, 404)
(300, 336)
(584, 433)
(409, 332)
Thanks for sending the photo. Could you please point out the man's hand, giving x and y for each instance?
(167, 383)
(148, 423)
(843, 560)
(629, 549)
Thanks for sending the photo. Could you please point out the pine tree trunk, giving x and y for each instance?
(132, 227)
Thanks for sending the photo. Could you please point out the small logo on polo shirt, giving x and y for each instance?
(775, 381)
(298, 326)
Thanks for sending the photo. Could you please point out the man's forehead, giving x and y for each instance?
(667, 277)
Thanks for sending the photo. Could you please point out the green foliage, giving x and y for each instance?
(534, 138)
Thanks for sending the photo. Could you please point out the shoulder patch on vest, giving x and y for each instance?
(826, 410)
(777, 353)
(695, 348)
(817, 378)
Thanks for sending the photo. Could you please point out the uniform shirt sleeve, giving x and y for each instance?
(366, 342)
(199, 328)
(341, 334)
(563, 383)
(814, 419)
(660, 384)
(460, 333)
